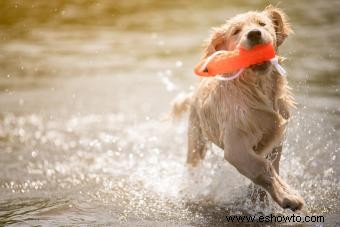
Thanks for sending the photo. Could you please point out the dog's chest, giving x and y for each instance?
(252, 111)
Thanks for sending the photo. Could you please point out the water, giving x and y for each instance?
(84, 88)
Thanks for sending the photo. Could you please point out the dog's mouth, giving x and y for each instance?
(263, 67)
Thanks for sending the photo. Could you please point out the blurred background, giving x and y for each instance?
(83, 88)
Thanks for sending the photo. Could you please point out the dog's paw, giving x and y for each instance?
(286, 197)
(293, 202)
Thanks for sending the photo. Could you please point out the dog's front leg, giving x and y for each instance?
(257, 192)
(238, 151)
(275, 158)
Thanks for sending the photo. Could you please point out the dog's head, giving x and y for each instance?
(249, 29)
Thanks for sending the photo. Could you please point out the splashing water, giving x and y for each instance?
(90, 161)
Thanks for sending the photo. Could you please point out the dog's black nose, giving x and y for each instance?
(254, 35)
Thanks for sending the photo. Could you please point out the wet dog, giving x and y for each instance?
(246, 117)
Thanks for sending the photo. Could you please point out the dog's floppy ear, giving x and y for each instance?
(217, 41)
(279, 19)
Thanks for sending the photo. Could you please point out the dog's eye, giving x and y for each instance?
(262, 23)
(236, 31)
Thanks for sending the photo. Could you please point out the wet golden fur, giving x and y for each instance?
(245, 117)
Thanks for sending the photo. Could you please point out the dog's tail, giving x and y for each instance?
(180, 105)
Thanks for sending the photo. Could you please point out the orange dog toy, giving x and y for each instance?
(222, 62)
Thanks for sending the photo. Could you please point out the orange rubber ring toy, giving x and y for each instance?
(224, 62)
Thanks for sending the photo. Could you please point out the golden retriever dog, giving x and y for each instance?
(246, 117)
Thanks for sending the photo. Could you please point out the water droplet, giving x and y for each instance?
(34, 154)
(168, 72)
(179, 64)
